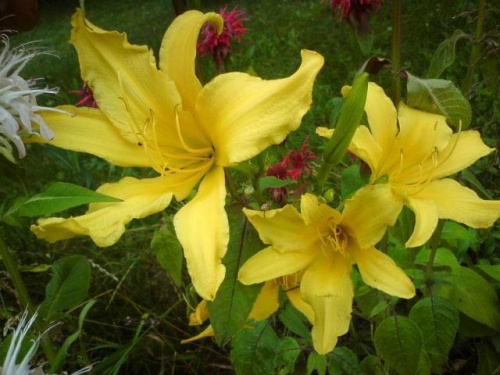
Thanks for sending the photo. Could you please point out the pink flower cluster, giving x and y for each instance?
(220, 46)
(294, 165)
(345, 5)
(86, 97)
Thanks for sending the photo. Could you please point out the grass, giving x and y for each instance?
(136, 297)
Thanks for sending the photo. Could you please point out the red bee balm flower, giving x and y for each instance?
(220, 46)
(357, 11)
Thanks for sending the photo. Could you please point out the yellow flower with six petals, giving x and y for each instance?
(415, 158)
(165, 119)
(324, 244)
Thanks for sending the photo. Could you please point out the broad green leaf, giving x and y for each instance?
(294, 320)
(168, 251)
(438, 320)
(370, 365)
(442, 97)
(444, 55)
(274, 182)
(476, 298)
(488, 361)
(61, 196)
(68, 287)
(459, 237)
(348, 121)
(379, 307)
(234, 301)
(424, 364)
(444, 257)
(288, 352)
(343, 361)
(490, 270)
(398, 341)
(316, 362)
(254, 350)
(61, 354)
(471, 328)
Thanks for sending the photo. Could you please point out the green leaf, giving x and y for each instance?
(316, 362)
(348, 121)
(370, 365)
(288, 352)
(439, 96)
(476, 298)
(254, 350)
(168, 251)
(491, 271)
(61, 196)
(343, 361)
(444, 55)
(68, 287)
(488, 361)
(438, 320)
(234, 301)
(398, 341)
(274, 182)
(476, 184)
(351, 181)
(294, 320)
(61, 354)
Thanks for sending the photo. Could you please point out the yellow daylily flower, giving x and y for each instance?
(324, 244)
(166, 120)
(415, 157)
(264, 306)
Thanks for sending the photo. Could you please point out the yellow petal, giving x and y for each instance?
(124, 79)
(327, 287)
(379, 271)
(105, 222)
(382, 116)
(207, 332)
(301, 305)
(364, 146)
(269, 264)
(456, 202)
(178, 52)
(426, 220)
(317, 213)
(284, 228)
(244, 115)
(324, 132)
(368, 213)
(266, 302)
(88, 130)
(199, 315)
(203, 231)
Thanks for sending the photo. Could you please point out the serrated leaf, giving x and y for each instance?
(476, 298)
(442, 97)
(444, 55)
(234, 301)
(294, 320)
(274, 182)
(68, 287)
(398, 341)
(316, 362)
(438, 320)
(343, 361)
(288, 352)
(168, 251)
(61, 196)
(254, 350)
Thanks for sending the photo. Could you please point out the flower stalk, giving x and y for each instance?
(396, 51)
(474, 54)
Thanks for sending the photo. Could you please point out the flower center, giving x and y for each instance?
(335, 239)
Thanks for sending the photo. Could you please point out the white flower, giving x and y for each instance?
(18, 105)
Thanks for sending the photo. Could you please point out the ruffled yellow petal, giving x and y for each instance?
(244, 114)
(203, 231)
(301, 305)
(284, 228)
(267, 301)
(125, 81)
(367, 213)
(364, 146)
(178, 52)
(199, 315)
(105, 222)
(456, 202)
(88, 130)
(269, 264)
(426, 220)
(379, 271)
(327, 287)
(317, 213)
(207, 332)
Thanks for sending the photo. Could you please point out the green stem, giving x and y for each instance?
(322, 177)
(474, 53)
(434, 242)
(396, 50)
(24, 297)
(231, 186)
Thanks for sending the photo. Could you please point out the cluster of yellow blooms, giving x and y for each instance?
(163, 118)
